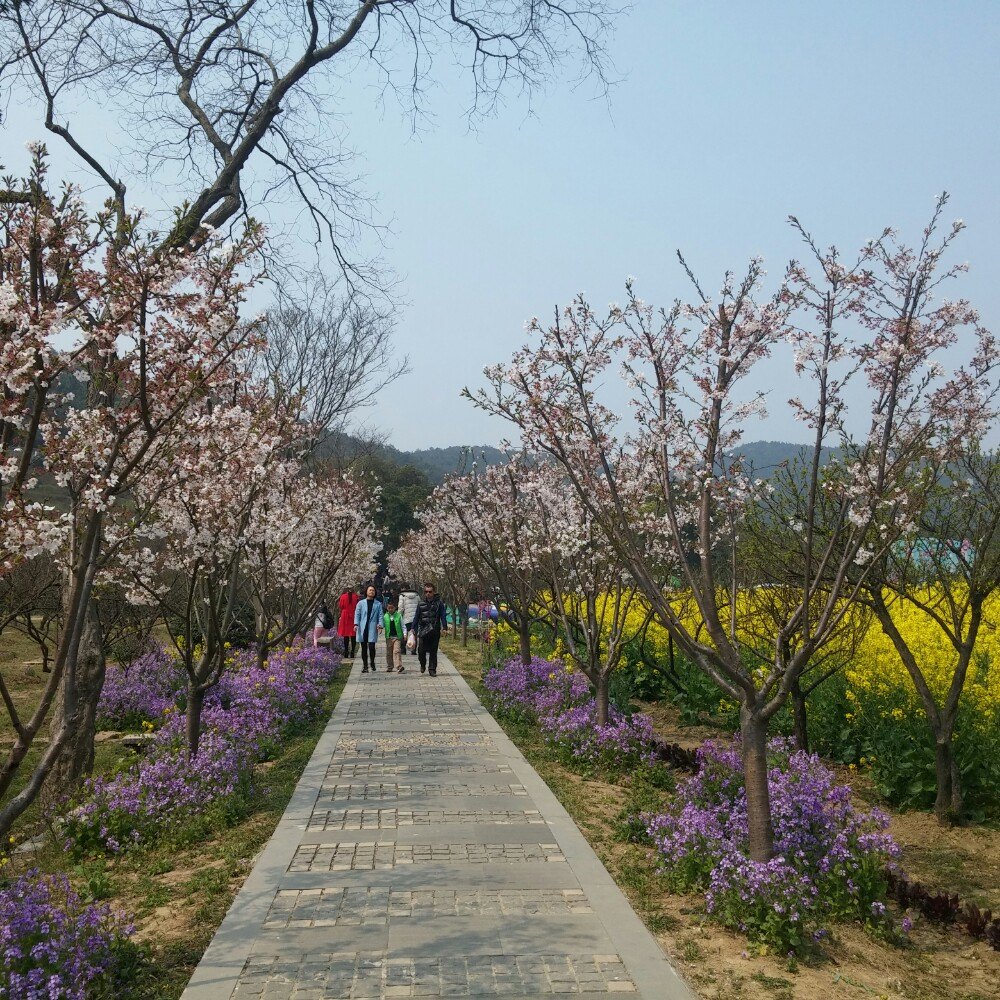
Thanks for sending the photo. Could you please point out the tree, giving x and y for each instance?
(489, 516)
(221, 91)
(402, 489)
(330, 353)
(194, 544)
(151, 335)
(588, 595)
(945, 571)
(307, 536)
(666, 491)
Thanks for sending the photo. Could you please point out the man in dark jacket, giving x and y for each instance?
(429, 619)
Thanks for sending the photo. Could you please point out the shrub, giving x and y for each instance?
(55, 946)
(830, 860)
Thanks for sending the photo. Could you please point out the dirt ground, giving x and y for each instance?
(719, 965)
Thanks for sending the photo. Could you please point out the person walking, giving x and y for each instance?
(408, 601)
(323, 623)
(429, 619)
(393, 631)
(347, 603)
(367, 625)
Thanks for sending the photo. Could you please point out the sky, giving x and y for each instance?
(727, 117)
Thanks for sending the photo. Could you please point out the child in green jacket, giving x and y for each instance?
(394, 634)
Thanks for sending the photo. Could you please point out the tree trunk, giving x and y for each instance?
(465, 629)
(801, 720)
(195, 703)
(949, 803)
(524, 641)
(602, 687)
(77, 709)
(754, 732)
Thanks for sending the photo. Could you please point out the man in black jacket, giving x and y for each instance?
(429, 619)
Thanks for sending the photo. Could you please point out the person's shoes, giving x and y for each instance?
(399, 670)
(433, 673)
(364, 670)
(423, 670)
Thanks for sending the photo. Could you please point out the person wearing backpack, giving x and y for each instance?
(429, 619)
(393, 631)
(323, 623)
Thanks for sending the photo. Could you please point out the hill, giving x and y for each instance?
(764, 457)
(437, 463)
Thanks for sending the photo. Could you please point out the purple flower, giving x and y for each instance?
(829, 862)
(245, 719)
(53, 945)
(559, 701)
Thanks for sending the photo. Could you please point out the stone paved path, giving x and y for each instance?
(422, 856)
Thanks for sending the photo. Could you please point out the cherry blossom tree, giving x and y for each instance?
(307, 535)
(946, 571)
(199, 530)
(434, 553)
(588, 597)
(148, 336)
(489, 516)
(667, 489)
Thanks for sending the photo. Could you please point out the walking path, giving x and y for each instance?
(422, 856)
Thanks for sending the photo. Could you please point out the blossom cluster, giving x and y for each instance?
(830, 859)
(52, 943)
(245, 719)
(557, 699)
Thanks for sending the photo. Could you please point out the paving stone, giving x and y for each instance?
(472, 975)
(340, 769)
(371, 854)
(366, 906)
(384, 819)
(393, 791)
(421, 856)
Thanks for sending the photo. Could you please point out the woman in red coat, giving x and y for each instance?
(345, 626)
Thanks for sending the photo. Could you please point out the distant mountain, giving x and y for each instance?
(437, 463)
(764, 457)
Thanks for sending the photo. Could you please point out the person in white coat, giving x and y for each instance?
(408, 601)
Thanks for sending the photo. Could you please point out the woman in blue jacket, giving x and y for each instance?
(367, 625)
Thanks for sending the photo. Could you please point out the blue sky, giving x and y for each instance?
(728, 118)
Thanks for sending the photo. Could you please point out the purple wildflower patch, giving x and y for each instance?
(531, 690)
(546, 693)
(830, 859)
(621, 743)
(245, 719)
(52, 943)
(140, 691)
